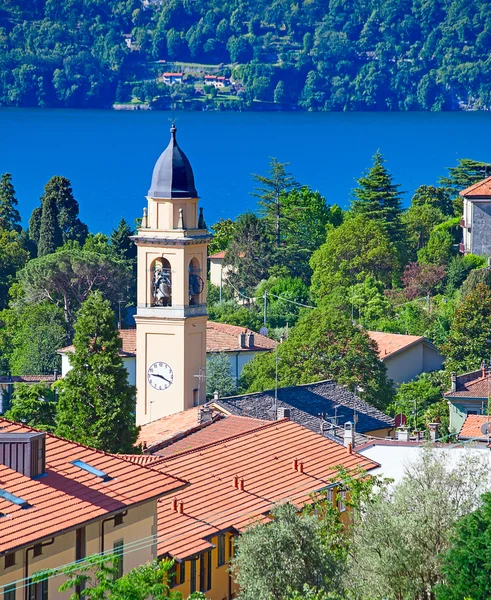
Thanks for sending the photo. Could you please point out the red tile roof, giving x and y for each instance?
(26, 379)
(263, 457)
(392, 343)
(477, 387)
(220, 337)
(69, 496)
(172, 74)
(216, 431)
(481, 189)
(471, 429)
(218, 255)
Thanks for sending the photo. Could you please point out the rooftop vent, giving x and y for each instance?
(24, 452)
(92, 470)
(14, 499)
(283, 413)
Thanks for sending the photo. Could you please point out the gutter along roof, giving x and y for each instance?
(69, 495)
(263, 458)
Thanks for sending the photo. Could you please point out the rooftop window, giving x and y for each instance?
(14, 499)
(92, 470)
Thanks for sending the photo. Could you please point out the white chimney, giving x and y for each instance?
(242, 340)
(349, 434)
(216, 395)
(454, 382)
(434, 431)
(402, 434)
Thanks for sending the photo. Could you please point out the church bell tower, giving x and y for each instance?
(171, 293)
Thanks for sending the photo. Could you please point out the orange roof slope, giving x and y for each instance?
(220, 337)
(480, 387)
(391, 343)
(471, 429)
(481, 189)
(218, 255)
(69, 496)
(216, 431)
(264, 459)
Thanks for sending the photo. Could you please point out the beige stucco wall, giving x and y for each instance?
(139, 523)
(409, 363)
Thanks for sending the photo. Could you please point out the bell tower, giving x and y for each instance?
(171, 294)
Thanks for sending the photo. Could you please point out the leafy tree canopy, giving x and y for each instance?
(34, 405)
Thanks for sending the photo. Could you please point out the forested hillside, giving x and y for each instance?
(337, 55)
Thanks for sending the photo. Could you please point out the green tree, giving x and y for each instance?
(324, 344)
(280, 95)
(272, 559)
(466, 562)
(436, 197)
(50, 237)
(469, 342)
(67, 277)
(219, 376)
(420, 219)
(12, 258)
(369, 302)
(356, 249)
(96, 405)
(35, 225)
(466, 173)
(285, 295)
(123, 247)
(400, 541)
(438, 250)
(9, 215)
(34, 405)
(270, 190)
(379, 199)
(415, 397)
(223, 232)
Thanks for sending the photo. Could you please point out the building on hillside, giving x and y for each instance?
(476, 428)
(406, 356)
(190, 429)
(7, 383)
(233, 481)
(172, 78)
(61, 501)
(238, 343)
(217, 81)
(324, 407)
(476, 219)
(218, 273)
(468, 395)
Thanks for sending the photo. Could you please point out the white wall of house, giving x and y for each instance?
(129, 363)
(408, 364)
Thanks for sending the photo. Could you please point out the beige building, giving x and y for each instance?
(171, 294)
(406, 356)
(61, 501)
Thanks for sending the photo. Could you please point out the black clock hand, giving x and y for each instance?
(161, 377)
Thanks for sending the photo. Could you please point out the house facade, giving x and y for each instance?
(476, 219)
(61, 501)
(468, 395)
(406, 356)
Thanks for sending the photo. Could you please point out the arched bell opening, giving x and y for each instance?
(196, 284)
(161, 282)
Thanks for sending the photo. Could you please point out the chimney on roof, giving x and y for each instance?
(236, 482)
(250, 340)
(349, 449)
(174, 504)
(242, 340)
(205, 415)
(241, 484)
(282, 413)
(349, 434)
(483, 369)
(453, 378)
(180, 507)
(433, 427)
(216, 395)
(295, 464)
(24, 453)
(402, 434)
(300, 466)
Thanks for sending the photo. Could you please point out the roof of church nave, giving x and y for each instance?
(172, 175)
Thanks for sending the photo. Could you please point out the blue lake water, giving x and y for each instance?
(109, 156)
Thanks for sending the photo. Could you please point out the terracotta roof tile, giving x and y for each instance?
(471, 429)
(26, 378)
(392, 343)
(218, 255)
(263, 458)
(216, 431)
(220, 337)
(69, 496)
(481, 189)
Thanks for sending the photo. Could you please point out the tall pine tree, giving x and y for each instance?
(96, 405)
(9, 215)
(123, 247)
(71, 227)
(50, 237)
(379, 199)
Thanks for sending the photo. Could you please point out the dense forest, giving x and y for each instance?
(310, 54)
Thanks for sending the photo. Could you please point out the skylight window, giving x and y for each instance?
(92, 470)
(14, 499)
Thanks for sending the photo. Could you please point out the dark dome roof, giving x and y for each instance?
(172, 175)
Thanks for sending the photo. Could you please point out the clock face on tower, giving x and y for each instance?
(160, 375)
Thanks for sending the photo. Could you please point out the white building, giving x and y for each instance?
(476, 219)
(238, 343)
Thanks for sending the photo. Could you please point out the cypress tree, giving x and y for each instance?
(35, 224)
(379, 199)
(123, 247)
(67, 208)
(96, 403)
(50, 237)
(9, 215)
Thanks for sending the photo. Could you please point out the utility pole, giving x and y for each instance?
(265, 306)
(201, 376)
